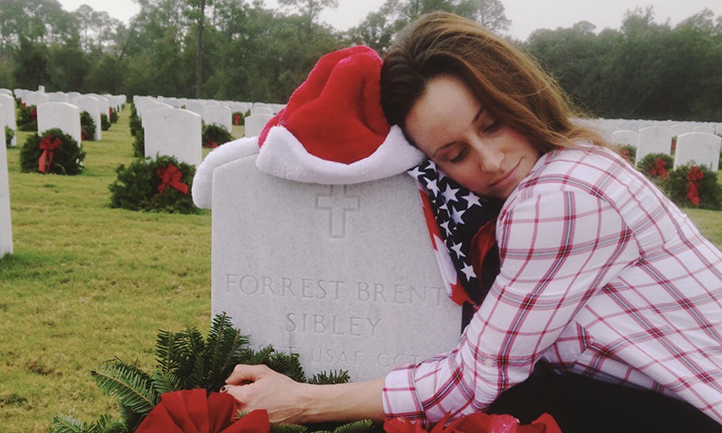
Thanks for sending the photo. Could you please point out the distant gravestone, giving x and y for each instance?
(61, 115)
(103, 103)
(704, 128)
(195, 106)
(59, 97)
(654, 139)
(219, 115)
(6, 232)
(7, 118)
(681, 128)
(39, 98)
(173, 132)
(330, 272)
(147, 106)
(257, 120)
(92, 106)
(625, 138)
(699, 148)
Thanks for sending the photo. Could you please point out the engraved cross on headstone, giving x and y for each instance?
(170, 119)
(338, 202)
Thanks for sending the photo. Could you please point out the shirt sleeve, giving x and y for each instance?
(556, 250)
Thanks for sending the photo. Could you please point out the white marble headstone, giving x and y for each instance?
(653, 139)
(219, 115)
(61, 115)
(257, 120)
(92, 106)
(625, 137)
(6, 231)
(8, 116)
(704, 128)
(699, 148)
(345, 276)
(174, 132)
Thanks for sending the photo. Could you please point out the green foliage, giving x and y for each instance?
(130, 385)
(239, 118)
(656, 166)
(628, 152)
(137, 187)
(324, 378)
(104, 122)
(104, 424)
(215, 135)
(709, 191)
(135, 122)
(9, 135)
(67, 159)
(87, 125)
(28, 118)
(113, 116)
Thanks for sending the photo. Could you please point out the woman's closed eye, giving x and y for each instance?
(459, 156)
(492, 127)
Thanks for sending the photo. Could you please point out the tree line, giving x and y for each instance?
(241, 50)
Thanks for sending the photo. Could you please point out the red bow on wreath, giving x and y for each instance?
(237, 119)
(476, 423)
(171, 177)
(660, 168)
(190, 411)
(210, 144)
(48, 145)
(694, 176)
(33, 114)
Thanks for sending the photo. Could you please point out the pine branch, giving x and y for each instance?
(168, 352)
(192, 345)
(223, 349)
(329, 378)
(132, 387)
(252, 357)
(362, 426)
(66, 424)
(107, 424)
(288, 365)
(164, 382)
(288, 428)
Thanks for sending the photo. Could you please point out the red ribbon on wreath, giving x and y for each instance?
(48, 145)
(171, 177)
(660, 168)
(33, 114)
(237, 119)
(694, 176)
(210, 144)
(191, 411)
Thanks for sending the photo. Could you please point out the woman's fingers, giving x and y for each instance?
(243, 374)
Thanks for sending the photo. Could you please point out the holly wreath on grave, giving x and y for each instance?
(215, 135)
(656, 166)
(51, 152)
(87, 126)
(694, 186)
(158, 185)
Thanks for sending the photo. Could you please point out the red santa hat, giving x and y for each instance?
(332, 131)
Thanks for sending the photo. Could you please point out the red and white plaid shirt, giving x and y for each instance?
(601, 275)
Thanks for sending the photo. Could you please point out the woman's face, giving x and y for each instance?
(451, 127)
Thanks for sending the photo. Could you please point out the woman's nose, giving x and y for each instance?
(490, 157)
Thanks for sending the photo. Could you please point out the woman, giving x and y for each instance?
(601, 274)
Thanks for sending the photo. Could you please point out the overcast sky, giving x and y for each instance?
(525, 15)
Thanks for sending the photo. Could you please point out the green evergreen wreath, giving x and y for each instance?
(9, 135)
(137, 187)
(135, 123)
(186, 360)
(139, 143)
(28, 118)
(656, 166)
(705, 194)
(113, 116)
(627, 152)
(104, 122)
(215, 135)
(87, 126)
(239, 118)
(66, 159)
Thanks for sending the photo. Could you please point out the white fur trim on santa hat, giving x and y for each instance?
(231, 151)
(282, 155)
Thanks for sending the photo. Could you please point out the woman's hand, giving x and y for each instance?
(287, 401)
(259, 387)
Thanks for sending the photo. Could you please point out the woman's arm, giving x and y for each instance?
(287, 401)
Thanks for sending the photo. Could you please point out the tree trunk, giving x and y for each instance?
(199, 51)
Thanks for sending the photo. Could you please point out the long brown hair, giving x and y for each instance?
(506, 82)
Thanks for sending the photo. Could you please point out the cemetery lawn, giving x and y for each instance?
(87, 283)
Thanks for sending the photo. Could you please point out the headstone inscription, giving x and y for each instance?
(8, 117)
(61, 115)
(698, 148)
(345, 276)
(6, 232)
(654, 139)
(174, 132)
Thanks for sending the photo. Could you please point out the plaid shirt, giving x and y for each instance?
(601, 275)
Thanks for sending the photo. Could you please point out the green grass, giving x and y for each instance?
(87, 283)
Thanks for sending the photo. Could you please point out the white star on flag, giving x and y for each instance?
(472, 200)
(450, 193)
(445, 226)
(457, 249)
(456, 215)
(468, 272)
(431, 186)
